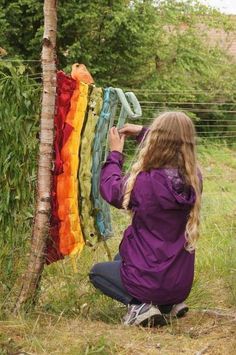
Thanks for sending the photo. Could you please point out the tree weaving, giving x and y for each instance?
(84, 114)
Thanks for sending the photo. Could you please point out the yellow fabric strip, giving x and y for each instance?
(86, 207)
(76, 139)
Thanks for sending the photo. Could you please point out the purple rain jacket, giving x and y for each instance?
(155, 268)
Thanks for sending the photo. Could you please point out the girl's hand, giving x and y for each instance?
(116, 140)
(130, 129)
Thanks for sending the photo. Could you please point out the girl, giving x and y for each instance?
(153, 274)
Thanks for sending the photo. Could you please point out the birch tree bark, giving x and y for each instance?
(31, 278)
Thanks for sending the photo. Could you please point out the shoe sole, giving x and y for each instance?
(181, 313)
(169, 317)
(154, 321)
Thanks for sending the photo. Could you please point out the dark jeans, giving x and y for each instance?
(106, 277)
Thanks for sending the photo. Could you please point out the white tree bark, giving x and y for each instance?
(35, 266)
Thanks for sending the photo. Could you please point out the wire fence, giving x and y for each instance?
(215, 122)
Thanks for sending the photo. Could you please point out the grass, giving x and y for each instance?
(73, 318)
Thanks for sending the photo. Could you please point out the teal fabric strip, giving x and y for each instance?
(112, 97)
(126, 100)
(101, 207)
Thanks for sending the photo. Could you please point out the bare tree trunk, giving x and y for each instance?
(34, 270)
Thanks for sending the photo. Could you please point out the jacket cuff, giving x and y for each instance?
(141, 134)
(116, 156)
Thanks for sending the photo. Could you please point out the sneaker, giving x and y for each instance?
(179, 310)
(143, 314)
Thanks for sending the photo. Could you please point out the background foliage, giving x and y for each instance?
(19, 113)
(154, 45)
(122, 42)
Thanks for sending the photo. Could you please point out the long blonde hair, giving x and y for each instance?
(170, 142)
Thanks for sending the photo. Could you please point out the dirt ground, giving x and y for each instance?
(197, 333)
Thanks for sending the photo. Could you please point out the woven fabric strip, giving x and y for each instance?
(85, 169)
(101, 208)
(65, 88)
(71, 238)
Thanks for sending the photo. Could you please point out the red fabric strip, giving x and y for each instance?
(62, 130)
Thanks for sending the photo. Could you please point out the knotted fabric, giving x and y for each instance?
(124, 100)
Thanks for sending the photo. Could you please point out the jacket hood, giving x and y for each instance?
(171, 190)
(183, 194)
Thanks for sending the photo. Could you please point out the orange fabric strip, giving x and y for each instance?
(71, 238)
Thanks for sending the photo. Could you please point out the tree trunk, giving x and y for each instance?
(31, 278)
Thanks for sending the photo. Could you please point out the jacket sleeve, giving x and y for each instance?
(111, 179)
(142, 134)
